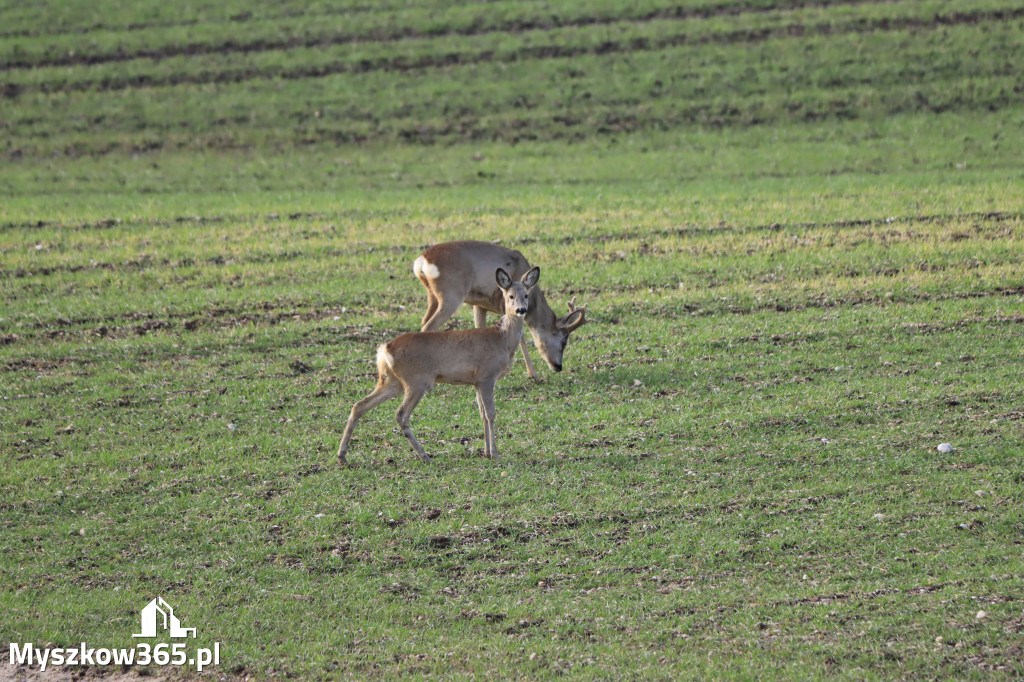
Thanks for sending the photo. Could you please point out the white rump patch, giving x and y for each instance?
(423, 268)
(383, 356)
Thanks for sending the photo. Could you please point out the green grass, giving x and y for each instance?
(582, 76)
(798, 230)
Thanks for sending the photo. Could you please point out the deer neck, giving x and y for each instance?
(539, 314)
(511, 329)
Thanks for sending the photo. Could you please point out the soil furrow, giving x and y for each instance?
(394, 33)
(451, 59)
(117, 326)
(684, 231)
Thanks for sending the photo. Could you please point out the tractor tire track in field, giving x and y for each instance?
(699, 231)
(834, 597)
(271, 314)
(688, 231)
(141, 264)
(392, 33)
(452, 59)
(562, 238)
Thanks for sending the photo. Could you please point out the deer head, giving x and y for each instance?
(551, 334)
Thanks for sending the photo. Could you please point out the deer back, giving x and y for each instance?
(462, 356)
(465, 269)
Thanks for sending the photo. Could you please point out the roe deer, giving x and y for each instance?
(457, 272)
(414, 362)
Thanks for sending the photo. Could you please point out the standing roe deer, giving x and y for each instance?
(457, 272)
(415, 361)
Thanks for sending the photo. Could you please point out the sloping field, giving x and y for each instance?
(798, 228)
(499, 71)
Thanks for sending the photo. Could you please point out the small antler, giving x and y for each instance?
(573, 309)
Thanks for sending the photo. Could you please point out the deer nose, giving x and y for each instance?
(521, 311)
(558, 367)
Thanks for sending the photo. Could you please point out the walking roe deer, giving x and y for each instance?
(462, 271)
(415, 361)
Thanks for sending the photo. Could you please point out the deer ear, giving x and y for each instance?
(531, 278)
(503, 279)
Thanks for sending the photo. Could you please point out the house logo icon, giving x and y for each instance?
(159, 612)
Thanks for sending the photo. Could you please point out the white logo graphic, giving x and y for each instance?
(170, 621)
(157, 613)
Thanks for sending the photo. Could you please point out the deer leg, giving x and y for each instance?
(413, 394)
(479, 316)
(445, 310)
(483, 418)
(432, 305)
(385, 390)
(526, 357)
(485, 399)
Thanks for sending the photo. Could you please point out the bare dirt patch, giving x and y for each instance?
(9, 673)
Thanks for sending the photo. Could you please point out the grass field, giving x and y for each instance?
(798, 228)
